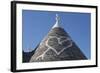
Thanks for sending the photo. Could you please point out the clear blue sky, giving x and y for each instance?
(36, 24)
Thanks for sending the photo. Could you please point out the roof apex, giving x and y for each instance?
(57, 24)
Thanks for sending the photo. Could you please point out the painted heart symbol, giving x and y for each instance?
(58, 44)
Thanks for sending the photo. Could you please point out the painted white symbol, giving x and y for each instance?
(59, 42)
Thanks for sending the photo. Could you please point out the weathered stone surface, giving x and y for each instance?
(57, 46)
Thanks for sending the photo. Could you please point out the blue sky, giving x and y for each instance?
(36, 24)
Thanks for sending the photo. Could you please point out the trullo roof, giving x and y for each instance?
(57, 46)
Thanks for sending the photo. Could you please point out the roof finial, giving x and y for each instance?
(57, 21)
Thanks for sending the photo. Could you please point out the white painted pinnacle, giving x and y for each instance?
(57, 21)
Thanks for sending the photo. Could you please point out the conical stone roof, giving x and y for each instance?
(57, 46)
